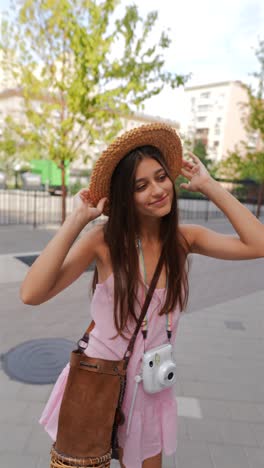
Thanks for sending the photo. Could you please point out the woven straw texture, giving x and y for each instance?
(159, 135)
(61, 461)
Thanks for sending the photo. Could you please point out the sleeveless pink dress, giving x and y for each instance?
(153, 426)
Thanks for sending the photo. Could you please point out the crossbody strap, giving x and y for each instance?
(144, 309)
(82, 343)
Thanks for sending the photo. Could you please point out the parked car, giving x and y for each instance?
(56, 190)
(31, 181)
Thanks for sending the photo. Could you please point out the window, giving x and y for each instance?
(217, 130)
(202, 132)
(201, 119)
(252, 140)
(203, 108)
(220, 100)
(205, 95)
(216, 144)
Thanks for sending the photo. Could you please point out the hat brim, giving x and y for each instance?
(159, 135)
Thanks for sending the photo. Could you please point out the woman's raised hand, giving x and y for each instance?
(83, 205)
(195, 172)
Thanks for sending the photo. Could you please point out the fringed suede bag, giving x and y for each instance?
(91, 408)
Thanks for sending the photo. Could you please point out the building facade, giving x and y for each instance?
(216, 114)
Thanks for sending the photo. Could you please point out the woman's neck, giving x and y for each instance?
(149, 232)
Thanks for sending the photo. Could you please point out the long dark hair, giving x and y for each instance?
(120, 236)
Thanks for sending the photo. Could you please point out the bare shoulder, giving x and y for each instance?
(102, 253)
(97, 231)
(95, 236)
(189, 233)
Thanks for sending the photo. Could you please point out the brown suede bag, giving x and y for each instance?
(91, 408)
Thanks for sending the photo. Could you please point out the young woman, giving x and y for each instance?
(133, 183)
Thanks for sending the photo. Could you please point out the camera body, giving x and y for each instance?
(158, 369)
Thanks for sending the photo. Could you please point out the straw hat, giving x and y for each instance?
(159, 135)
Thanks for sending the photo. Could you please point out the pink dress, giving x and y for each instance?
(154, 421)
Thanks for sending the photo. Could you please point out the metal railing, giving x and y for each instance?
(39, 208)
(31, 207)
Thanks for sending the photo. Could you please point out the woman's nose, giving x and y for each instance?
(157, 190)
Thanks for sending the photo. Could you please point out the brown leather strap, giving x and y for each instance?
(91, 327)
(83, 342)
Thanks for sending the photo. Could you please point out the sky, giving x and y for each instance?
(212, 40)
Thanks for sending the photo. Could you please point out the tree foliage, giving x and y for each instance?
(256, 100)
(199, 149)
(247, 161)
(12, 151)
(63, 59)
(250, 166)
(79, 69)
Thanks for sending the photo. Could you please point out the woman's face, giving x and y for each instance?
(153, 192)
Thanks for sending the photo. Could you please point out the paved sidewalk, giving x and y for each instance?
(219, 352)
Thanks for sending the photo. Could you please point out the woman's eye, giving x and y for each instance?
(163, 176)
(140, 187)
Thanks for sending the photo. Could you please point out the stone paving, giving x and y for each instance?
(219, 352)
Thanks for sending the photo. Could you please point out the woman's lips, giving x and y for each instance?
(160, 201)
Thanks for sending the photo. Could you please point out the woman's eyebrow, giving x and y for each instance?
(155, 173)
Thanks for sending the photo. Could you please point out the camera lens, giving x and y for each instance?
(170, 376)
(151, 363)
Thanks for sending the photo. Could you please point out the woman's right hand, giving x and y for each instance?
(83, 205)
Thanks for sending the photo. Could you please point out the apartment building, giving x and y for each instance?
(215, 116)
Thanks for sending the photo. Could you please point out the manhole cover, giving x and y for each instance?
(29, 260)
(38, 361)
(234, 325)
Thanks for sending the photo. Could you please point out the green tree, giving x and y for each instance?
(199, 149)
(248, 167)
(8, 152)
(247, 161)
(255, 121)
(11, 151)
(79, 70)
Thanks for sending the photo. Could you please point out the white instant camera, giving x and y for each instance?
(158, 369)
(157, 373)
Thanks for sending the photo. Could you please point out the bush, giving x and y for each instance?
(74, 188)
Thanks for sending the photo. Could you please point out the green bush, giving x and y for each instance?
(74, 188)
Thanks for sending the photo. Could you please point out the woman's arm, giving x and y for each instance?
(249, 244)
(58, 264)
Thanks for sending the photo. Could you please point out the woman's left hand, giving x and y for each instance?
(195, 172)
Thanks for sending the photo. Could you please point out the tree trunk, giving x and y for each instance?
(63, 198)
(260, 198)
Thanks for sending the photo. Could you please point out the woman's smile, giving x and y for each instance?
(161, 201)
